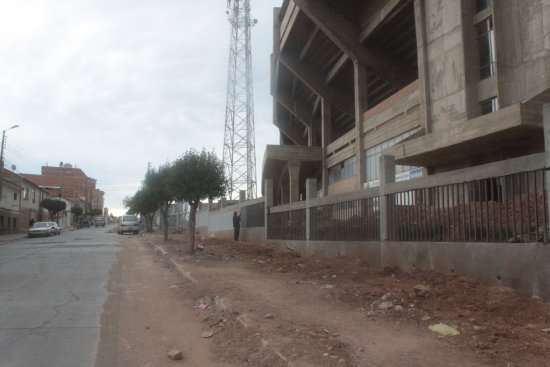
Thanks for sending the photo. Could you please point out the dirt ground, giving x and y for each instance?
(265, 306)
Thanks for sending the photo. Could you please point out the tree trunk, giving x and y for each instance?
(150, 219)
(165, 220)
(192, 217)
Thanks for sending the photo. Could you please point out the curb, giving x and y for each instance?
(187, 275)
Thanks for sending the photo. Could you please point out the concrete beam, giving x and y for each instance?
(382, 15)
(309, 42)
(296, 107)
(345, 35)
(336, 68)
(315, 81)
(292, 132)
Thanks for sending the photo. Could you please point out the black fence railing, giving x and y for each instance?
(509, 208)
(355, 220)
(290, 225)
(252, 216)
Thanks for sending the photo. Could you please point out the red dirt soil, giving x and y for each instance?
(269, 307)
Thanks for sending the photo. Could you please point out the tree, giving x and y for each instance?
(53, 206)
(143, 203)
(156, 182)
(96, 212)
(197, 176)
(77, 210)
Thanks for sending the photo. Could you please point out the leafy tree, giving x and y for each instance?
(156, 182)
(96, 212)
(77, 211)
(197, 176)
(53, 206)
(144, 203)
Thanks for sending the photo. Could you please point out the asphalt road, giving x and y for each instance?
(52, 291)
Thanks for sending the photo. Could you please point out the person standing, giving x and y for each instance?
(236, 225)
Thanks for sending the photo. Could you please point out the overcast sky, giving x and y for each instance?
(110, 85)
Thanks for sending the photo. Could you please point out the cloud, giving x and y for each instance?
(110, 86)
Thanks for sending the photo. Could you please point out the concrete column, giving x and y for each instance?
(360, 88)
(242, 195)
(294, 181)
(546, 125)
(268, 191)
(387, 175)
(268, 197)
(423, 72)
(326, 132)
(311, 193)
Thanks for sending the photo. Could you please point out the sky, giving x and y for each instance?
(111, 85)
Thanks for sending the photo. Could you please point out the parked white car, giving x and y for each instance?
(56, 229)
(40, 229)
(128, 223)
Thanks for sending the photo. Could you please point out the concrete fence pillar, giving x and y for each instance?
(387, 176)
(546, 124)
(294, 178)
(311, 193)
(268, 203)
(242, 195)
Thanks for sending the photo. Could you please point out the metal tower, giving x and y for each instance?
(239, 152)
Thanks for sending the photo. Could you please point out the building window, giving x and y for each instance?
(342, 170)
(486, 44)
(489, 105)
(26, 193)
(14, 196)
(33, 195)
(1, 221)
(372, 156)
(483, 4)
(14, 223)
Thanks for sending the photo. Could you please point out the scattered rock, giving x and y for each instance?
(530, 327)
(327, 286)
(175, 354)
(546, 330)
(207, 334)
(398, 308)
(444, 330)
(208, 300)
(385, 305)
(478, 328)
(371, 314)
(421, 288)
(425, 318)
(269, 316)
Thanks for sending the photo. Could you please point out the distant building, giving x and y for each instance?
(20, 203)
(69, 183)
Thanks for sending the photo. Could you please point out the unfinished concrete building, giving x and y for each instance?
(440, 85)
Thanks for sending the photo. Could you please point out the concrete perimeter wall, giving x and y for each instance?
(220, 223)
(522, 266)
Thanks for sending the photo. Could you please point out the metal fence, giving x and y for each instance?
(289, 225)
(508, 208)
(253, 215)
(355, 220)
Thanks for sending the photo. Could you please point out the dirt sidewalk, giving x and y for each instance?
(268, 307)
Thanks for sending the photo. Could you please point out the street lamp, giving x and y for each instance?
(2, 158)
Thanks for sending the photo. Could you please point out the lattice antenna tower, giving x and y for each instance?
(239, 152)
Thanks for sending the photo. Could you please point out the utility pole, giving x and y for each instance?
(61, 183)
(239, 152)
(2, 159)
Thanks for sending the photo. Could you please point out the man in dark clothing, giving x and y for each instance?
(236, 225)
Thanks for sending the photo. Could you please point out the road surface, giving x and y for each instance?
(52, 291)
